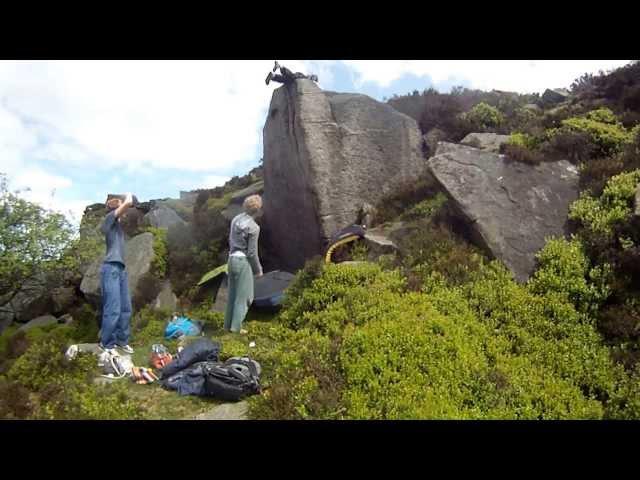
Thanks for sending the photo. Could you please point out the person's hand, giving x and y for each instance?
(129, 199)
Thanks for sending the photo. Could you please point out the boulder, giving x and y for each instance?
(555, 95)
(388, 238)
(222, 295)
(163, 217)
(325, 154)
(166, 299)
(63, 298)
(138, 257)
(511, 207)
(41, 321)
(485, 141)
(378, 244)
(32, 300)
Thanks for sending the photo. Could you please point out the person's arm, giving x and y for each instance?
(128, 201)
(252, 251)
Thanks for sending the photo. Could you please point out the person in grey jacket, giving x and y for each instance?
(243, 262)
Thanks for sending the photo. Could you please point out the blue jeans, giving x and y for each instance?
(116, 305)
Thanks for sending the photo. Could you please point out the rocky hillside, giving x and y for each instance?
(504, 240)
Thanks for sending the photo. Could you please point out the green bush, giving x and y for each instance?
(159, 264)
(5, 338)
(337, 283)
(546, 328)
(426, 208)
(565, 270)
(489, 348)
(54, 388)
(484, 116)
(426, 365)
(601, 126)
(148, 325)
(203, 313)
(523, 140)
(85, 324)
(434, 248)
(625, 402)
(600, 215)
(305, 380)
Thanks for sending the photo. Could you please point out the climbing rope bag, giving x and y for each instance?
(232, 380)
(115, 365)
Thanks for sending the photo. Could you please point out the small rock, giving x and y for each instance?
(556, 95)
(42, 321)
(65, 319)
(226, 411)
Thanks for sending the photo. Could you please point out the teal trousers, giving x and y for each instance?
(240, 278)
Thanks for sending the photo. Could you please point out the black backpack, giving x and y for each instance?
(232, 380)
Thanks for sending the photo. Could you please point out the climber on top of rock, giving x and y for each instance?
(286, 76)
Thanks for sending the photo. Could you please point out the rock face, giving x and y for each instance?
(166, 299)
(138, 257)
(485, 141)
(325, 154)
(63, 298)
(556, 95)
(163, 217)
(39, 322)
(510, 206)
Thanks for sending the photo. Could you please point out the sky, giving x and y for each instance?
(73, 131)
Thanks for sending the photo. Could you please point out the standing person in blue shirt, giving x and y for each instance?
(243, 261)
(116, 299)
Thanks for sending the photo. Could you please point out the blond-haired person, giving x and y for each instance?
(243, 263)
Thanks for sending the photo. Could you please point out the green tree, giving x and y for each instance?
(32, 240)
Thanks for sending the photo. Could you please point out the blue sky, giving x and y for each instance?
(73, 131)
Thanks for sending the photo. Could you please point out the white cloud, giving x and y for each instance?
(212, 181)
(49, 191)
(197, 115)
(525, 76)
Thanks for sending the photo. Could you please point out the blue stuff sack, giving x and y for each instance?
(182, 326)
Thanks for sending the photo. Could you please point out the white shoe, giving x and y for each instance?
(126, 348)
(110, 351)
